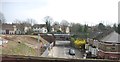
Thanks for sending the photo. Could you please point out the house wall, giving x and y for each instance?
(36, 29)
(111, 55)
(109, 50)
(14, 28)
(67, 30)
(86, 46)
(11, 32)
(94, 51)
(90, 48)
(41, 30)
(53, 30)
(101, 46)
(95, 43)
(44, 30)
(3, 32)
(60, 29)
(109, 47)
(27, 29)
(102, 54)
(90, 41)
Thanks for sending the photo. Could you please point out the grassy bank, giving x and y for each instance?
(15, 48)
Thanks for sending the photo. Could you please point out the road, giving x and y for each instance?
(61, 50)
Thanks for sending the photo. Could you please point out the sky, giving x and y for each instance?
(89, 12)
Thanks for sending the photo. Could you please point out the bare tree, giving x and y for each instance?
(48, 20)
(21, 25)
(2, 18)
(76, 28)
(64, 24)
(101, 26)
(27, 21)
(31, 21)
(56, 26)
(17, 21)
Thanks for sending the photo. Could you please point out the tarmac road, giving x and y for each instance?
(61, 50)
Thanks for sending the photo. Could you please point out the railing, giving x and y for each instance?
(16, 58)
(45, 54)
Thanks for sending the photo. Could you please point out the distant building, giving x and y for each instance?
(58, 28)
(92, 46)
(15, 28)
(21, 28)
(27, 28)
(67, 30)
(8, 29)
(55, 27)
(39, 28)
(109, 46)
(106, 47)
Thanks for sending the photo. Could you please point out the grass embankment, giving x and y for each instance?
(16, 48)
(21, 45)
(43, 40)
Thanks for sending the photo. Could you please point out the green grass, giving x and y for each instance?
(15, 48)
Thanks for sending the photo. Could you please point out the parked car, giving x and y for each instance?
(71, 52)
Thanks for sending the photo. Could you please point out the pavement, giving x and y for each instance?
(61, 50)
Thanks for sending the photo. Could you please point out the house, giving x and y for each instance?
(109, 46)
(39, 28)
(67, 30)
(21, 28)
(27, 28)
(92, 46)
(55, 27)
(105, 45)
(8, 29)
(93, 41)
(15, 28)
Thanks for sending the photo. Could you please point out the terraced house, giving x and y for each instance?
(15, 28)
(8, 28)
(39, 28)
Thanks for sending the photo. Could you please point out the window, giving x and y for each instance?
(44, 30)
(113, 48)
(108, 48)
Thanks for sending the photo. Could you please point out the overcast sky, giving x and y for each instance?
(78, 11)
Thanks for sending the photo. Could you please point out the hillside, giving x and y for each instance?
(21, 45)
